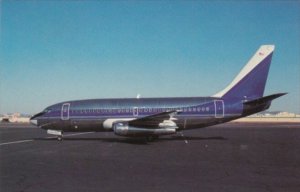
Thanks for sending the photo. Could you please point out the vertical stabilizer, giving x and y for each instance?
(250, 82)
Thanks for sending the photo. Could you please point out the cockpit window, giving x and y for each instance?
(47, 110)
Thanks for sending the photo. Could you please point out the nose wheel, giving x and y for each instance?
(60, 138)
(58, 133)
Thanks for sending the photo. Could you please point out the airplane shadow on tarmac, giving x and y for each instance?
(137, 141)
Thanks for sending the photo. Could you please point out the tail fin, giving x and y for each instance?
(250, 83)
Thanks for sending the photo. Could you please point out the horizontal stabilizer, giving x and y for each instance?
(264, 99)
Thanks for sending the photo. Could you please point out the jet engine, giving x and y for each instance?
(123, 129)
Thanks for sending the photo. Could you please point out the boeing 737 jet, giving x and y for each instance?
(153, 117)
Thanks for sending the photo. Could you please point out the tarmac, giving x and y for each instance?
(229, 157)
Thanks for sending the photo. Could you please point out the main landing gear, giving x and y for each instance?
(152, 138)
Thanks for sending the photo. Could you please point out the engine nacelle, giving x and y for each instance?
(123, 129)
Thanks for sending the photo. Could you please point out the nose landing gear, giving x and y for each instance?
(58, 133)
(60, 138)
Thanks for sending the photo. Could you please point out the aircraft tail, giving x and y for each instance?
(250, 83)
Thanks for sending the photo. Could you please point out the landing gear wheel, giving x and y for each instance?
(60, 138)
(152, 138)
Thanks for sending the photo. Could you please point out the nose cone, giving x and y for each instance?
(33, 120)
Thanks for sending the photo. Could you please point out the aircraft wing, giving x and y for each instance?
(159, 120)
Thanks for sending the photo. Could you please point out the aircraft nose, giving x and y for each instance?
(33, 120)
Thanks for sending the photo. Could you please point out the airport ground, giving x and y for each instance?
(230, 157)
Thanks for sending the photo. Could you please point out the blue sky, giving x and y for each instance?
(54, 51)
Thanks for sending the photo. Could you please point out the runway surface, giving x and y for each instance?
(229, 157)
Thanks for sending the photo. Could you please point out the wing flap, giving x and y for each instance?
(160, 120)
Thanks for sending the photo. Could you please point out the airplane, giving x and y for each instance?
(153, 117)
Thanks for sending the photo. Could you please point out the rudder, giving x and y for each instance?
(250, 82)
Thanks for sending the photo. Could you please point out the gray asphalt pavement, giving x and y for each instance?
(229, 157)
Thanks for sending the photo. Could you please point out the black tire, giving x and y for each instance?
(59, 138)
(152, 138)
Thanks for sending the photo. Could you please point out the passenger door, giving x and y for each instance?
(135, 111)
(219, 108)
(65, 111)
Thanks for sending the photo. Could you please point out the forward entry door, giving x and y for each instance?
(65, 111)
